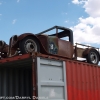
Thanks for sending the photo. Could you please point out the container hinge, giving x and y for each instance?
(33, 60)
(34, 88)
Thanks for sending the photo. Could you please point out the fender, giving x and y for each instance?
(88, 50)
(22, 36)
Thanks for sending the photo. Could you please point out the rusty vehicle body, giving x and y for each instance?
(52, 44)
(89, 52)
(45, 44)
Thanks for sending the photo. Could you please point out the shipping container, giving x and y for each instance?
(45, 77)
(83, 81)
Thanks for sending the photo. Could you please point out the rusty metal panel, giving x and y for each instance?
(44, 40)
(82, 81)
(80, 52)
(65, 48)
(16, 79)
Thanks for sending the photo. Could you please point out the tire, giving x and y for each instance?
(28, 45)
(93, 57)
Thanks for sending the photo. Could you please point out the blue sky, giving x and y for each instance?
(21, 16)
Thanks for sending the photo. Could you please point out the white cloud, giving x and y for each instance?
(18, 0)
(0, 14)
(88, 29)
(64, 13)
(14, 21)
(0, 3)
(78, 1)
(66, 21)
(75, 1)
(92, 7)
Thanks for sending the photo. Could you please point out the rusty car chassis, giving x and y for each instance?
(52, 44)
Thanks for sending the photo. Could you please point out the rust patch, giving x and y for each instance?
(65, 48)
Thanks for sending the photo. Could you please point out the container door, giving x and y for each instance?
(51, 79)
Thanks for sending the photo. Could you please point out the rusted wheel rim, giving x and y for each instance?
(93, 57)
(30, 45)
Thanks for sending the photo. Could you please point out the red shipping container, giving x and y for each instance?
(82, 81)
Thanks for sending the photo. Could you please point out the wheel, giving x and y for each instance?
(93, 57)
(28, 45)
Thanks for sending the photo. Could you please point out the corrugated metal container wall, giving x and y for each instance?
(83, 81)
(16, 79)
